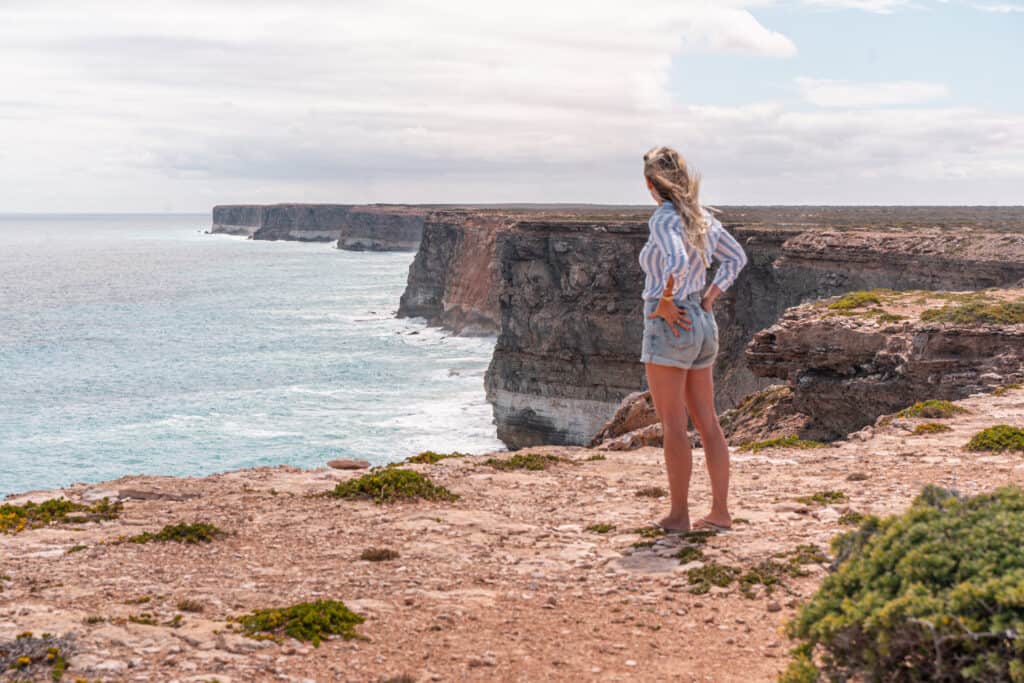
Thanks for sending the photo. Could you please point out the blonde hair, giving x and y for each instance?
(675, 182)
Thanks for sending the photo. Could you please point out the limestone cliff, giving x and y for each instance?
(849, 360)
(382, 228)
(554, 380)
(302, 222)
(237, 219)
(453, 278)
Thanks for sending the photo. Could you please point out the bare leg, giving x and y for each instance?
(667, 389)
(700, 399)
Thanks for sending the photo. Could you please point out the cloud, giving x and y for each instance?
(115, 106)
(850, 94)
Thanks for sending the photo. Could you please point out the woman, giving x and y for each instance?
(680, 337)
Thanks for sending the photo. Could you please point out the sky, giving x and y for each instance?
(152, 105)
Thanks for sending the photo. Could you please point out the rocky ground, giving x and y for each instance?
(506, 583)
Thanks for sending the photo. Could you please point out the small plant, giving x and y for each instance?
(889, 317)
(378, 554)
(199, 532)
(188, 605)
(689, 553)
(391, 485)
(931, 428)
(36, 656)
(524, 461)
(998, 438)
(859, 299)
(601, 528)
(823, 498)
(15, 518)
(1006, 388)
(141, 600)
(851, 518)
(977, 313)
(791, 441)
(430, 457)
(932, 408)
(308, 621)
(649, 531)
(76, 549)
(651, 492)
(146, 619)
(701, 579)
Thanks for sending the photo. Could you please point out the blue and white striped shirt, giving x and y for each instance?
(667, 251)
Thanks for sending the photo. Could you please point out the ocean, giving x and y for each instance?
(138, 344)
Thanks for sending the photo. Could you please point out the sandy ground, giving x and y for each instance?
(505, 584)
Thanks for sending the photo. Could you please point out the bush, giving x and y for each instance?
(391, 485)
(199, 532)
(931, 408)
(931, 428)
(309, 621)
(977, 313)
(524, 461)
(791, 441)
(998, 438)
(860, 299)
(933, 594)
(15, 518)
(430, 457)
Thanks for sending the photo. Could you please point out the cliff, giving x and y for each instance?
(554, 380)
(302, 222)
(382, 228)
(849, 360)
(529, 575)
(453, 279)
(237, 219)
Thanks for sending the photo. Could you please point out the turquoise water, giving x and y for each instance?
(138, 344)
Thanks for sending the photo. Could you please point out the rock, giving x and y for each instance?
(348, 464)
(773, 607)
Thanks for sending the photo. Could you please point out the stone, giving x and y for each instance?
(348, 464)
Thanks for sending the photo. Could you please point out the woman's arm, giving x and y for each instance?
(731, 259)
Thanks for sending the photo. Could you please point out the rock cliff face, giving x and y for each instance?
(236, 219)
(302, 222)
(557, 376)
(453, 280)
(569, 343)
(382, 228)
(845, 366)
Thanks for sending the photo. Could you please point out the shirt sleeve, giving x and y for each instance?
(729, 255)
(670, 242)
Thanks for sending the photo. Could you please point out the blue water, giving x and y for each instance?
(138, 344)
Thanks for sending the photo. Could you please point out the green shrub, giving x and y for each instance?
(689, 553)
(391, 485)
(524, 461)
(701, 579)
(932, 409)
(823, 498)
(978, 313)
(791, 441)
(601, 528)
(309, 621)
(861, 299)
(1006, 388)
(430, 457)
(933, 594)
(997, 438)
(198, 532)
(931, 428)
(15, 518)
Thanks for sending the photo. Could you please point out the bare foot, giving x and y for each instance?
(713, 521)
(675, 522)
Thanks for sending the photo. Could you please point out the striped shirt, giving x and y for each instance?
(667, 251)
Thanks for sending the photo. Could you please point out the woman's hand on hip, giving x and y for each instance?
(673, 314)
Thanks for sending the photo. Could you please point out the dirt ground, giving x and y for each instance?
(505, 584)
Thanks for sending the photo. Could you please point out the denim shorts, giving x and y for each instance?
(694, 348)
